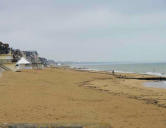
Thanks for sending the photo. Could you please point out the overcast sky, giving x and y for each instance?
(87, 30)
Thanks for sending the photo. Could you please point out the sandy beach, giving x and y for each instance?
(59, 95)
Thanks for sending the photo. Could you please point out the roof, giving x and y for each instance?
(23, 61)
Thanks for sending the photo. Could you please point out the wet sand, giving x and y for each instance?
(69, 96)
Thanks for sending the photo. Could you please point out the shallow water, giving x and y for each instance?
(156, 84)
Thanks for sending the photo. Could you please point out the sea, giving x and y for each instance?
(157, 69)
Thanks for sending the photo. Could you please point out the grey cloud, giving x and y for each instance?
(64, 29)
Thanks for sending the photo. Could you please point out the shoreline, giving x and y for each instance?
(157, 74)
(123, 75)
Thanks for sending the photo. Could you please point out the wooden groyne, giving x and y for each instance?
(155, 78)
(140, 77)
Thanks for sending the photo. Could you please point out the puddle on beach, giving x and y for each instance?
(156, 84)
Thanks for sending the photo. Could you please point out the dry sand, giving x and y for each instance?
(68, 96)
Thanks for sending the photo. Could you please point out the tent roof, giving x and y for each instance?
(23, 61)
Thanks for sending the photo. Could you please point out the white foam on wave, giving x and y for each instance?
(118, 71)
(88, 69)
(85, 69)
(155, 73)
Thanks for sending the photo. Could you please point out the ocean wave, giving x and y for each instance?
(118, 71)
(147, 73)
(155, 73)
(82, 68)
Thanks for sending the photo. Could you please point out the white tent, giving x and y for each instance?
(23, 64)
(22, 61)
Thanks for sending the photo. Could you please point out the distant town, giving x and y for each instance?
(16, 59)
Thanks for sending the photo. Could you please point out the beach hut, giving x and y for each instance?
(23, 64)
